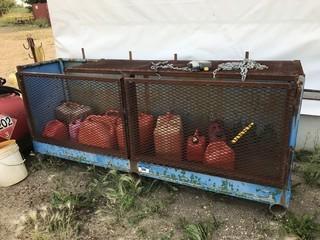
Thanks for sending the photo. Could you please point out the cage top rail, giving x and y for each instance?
(277, 70)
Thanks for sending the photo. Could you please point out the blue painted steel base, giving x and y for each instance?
(255, 192)
(83, 157)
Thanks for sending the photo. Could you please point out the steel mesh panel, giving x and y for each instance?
(260, 155)
(78, 111)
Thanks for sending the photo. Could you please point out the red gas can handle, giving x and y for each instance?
(113, 112)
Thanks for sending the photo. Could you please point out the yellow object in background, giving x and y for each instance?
(243, 132)
(39, 53)
(12, 81)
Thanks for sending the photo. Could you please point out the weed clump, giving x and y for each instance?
(303, 226)
(51, 222)
(310, 165)
(202, 230)
(126, 196)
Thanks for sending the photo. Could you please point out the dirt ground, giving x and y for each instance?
(12, 52)
(240, 219)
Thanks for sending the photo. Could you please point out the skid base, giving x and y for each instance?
(255, 192)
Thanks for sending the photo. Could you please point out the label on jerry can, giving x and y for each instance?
(7, 126)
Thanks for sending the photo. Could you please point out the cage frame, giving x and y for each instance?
(270, 195)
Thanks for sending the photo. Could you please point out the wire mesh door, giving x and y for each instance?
(76, 111)
(225, 128)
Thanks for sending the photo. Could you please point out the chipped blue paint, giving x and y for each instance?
(260, 193)
(81, 156)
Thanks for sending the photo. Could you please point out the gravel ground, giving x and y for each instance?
(240, 219)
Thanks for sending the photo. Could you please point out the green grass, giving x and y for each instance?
(304, 226)
(309, 165)
(142, 233)
(9, 19)
(127, 197)
(53, 222)
(202, 230)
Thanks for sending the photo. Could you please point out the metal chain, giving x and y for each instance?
(244, 66)
(167, 65)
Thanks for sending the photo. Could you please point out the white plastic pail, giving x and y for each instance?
(12, 168)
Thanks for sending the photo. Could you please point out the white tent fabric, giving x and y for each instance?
(194, 29)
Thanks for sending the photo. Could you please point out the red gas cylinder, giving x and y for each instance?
(145, 131)
(219, 155)
(56, 130)
(196, 146)
(12, 105)
(168, 136)
(96, 131)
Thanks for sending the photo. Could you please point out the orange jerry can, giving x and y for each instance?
(219, 155)
(97, 132)
(168, 136)
(145, 131)
(196, 146)
(56, 130)
(121, 139)
(113, 117)
(216, 131)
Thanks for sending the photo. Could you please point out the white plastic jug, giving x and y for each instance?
(12, 168)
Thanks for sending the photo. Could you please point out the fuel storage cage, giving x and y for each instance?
(220, 134)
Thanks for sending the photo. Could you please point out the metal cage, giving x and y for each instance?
(262, 155)
(44, 92)
(243, 132)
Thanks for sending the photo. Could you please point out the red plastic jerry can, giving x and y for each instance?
(196, 146)
(97, 132)
(112, 116)
(121, 139)
(74, 130)
(168, 136)
(56, 130)
(219, 155)
(216, 131)
(12, 105)
(145, 131)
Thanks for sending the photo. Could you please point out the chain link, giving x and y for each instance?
(167, 65)
(244, 66)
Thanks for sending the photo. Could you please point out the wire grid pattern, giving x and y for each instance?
(260, 155)
(77, 111)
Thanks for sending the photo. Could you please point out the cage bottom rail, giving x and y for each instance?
(260, 193)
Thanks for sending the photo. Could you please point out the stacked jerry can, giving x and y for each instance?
(220, 134)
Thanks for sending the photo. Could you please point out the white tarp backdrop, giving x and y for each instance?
(194, 29)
